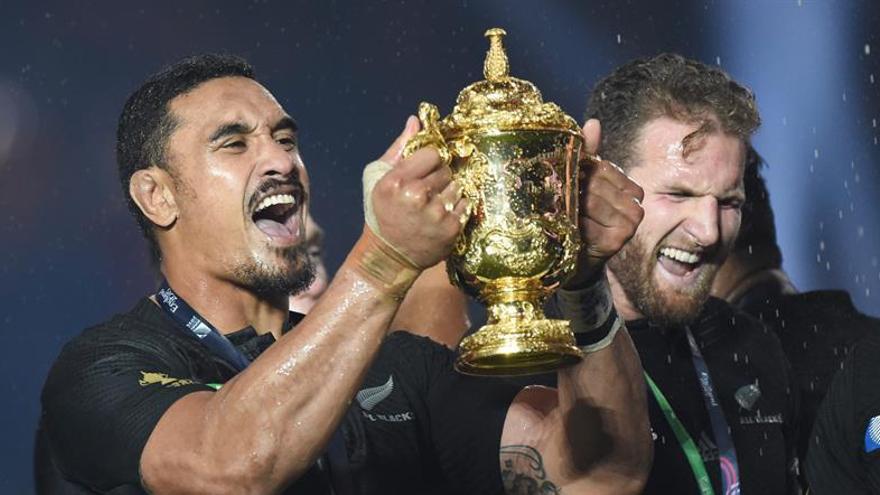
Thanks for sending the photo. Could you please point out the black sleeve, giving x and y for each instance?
(467, 417)
(101, 401)
(832, 465)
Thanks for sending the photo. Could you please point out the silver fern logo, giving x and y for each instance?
(747, 395)
(369, 397)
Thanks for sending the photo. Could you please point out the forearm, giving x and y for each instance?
(276, 417)
(591, 435)
(606, 432)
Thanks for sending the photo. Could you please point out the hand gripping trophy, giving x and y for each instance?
(516, 159)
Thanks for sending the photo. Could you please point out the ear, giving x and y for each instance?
(152, 189)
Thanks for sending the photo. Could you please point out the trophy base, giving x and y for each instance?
(517, 348)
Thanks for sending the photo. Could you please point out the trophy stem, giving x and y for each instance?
(517, 338)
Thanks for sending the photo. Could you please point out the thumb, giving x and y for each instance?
(395, 151)
(592, 132)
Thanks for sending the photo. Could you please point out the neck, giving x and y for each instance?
(229, 307)
(625, 308)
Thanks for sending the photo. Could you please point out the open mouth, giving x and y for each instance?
(678, 261)
(276, 215)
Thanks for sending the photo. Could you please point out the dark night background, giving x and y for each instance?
(350, 73)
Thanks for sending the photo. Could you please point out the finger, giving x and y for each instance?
(438, 180)
(613, 174)
(394, 153)
(605, 241)
(606, 213)
(450, 196)
(462, 211)
(420, 164)
(592, 132)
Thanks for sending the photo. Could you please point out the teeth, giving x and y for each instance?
(276, 199)
(680, 255)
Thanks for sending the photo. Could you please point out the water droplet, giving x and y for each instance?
(718, 60)
(618, 38)
(828, 266)
(843, 96)
(867, 49)
(815, 152)
(821, 245)
(784, 121)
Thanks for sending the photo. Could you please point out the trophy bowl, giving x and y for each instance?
(516, 160)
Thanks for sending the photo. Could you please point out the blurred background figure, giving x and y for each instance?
(303, 301)
(432, 307)
(816, 328)
(843, 453)
(435, 308)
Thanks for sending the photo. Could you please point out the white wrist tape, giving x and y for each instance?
(587, 308)
(372, 174)
(591, 312)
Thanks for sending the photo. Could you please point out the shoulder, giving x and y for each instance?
(724, 322)
(137, 338)
(141, 330)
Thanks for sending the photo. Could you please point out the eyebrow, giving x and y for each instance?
(233, 128)
(285, 123)
(229, 129)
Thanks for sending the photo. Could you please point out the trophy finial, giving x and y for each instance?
(496, 67)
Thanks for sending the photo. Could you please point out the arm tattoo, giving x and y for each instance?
(522, 471)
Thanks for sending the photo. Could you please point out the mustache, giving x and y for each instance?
(271, 186)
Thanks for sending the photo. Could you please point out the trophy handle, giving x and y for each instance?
(430, 134)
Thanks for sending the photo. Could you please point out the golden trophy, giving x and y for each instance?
(516, 159)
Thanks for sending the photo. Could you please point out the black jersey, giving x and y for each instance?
(844, 453)
(416, 426)
(752, 382)
(742, 356)
(816, 329)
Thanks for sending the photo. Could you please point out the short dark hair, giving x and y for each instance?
(146, 122)
(673, 86)
(757, 232)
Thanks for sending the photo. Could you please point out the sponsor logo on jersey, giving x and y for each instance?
(761, 419)
(150, 378)
(747, 395)
(370, 397)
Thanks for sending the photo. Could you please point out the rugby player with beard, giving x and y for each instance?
(721, 405)
(210, 384)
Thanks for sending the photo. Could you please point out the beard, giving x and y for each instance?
(634, 267)
(293, 275)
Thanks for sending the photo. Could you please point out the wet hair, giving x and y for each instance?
(757, 231)
(672, 86)
(146, 122)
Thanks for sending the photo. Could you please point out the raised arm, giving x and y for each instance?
(265, 427)
(591, 434)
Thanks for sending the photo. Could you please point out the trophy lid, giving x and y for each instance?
(501, 102)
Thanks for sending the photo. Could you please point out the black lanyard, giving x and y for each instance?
(726, 451)
(189, 320)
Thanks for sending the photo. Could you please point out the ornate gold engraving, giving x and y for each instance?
(515, 157)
